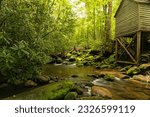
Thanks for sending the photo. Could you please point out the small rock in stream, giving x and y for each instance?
(43, 79)
(30, 83)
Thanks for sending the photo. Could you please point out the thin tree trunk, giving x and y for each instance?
(94, 23)
(108, 21)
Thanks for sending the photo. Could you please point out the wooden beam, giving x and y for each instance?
(127, 51)
(126, 48)
(138, 51)
(134, 37)
(126, 62)
(116, 53)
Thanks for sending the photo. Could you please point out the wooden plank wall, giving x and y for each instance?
(144, 12)
(127, 18)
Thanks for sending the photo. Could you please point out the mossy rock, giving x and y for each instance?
(77, 89)
(69, 55)
(55, 91)
(144, 67)
(72, 59)
(71, 96)
(79, 59)
(58, 60)
(90, 58)
(133, 71)
(105, 66)
(125, 68)
(109, 77)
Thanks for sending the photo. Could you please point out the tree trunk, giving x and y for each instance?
(109, 19)
(108, 11)
(94, 23)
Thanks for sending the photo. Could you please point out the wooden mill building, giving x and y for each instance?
(132, 30)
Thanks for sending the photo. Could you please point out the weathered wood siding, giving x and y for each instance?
(127, 18)
(144, 13)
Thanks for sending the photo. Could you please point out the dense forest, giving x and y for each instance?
(30, 31)
(35, 33)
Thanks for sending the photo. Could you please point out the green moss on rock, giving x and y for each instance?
(109, 77)
(71, 96)
(77, 89)
(55, 91)
(133, 71)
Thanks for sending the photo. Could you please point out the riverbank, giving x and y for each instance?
(73, 79)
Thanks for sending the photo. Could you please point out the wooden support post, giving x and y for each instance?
(127, 51)
(116, 50)
(138, 51)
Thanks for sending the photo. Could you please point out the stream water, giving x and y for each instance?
(120, 88)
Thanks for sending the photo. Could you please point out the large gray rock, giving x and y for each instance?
(101, 91)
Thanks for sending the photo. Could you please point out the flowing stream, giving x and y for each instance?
(120, 89)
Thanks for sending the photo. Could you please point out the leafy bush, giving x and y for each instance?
(28, 34)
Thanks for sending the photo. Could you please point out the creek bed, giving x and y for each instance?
(120, 88)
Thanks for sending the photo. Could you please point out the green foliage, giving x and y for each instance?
(32, 30)
(29, 32)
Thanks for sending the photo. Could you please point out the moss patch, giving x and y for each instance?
(55, 91)
(71, 96)
(133, 71)
(109, 77)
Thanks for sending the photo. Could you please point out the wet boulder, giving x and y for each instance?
(142, 78)
(101, 91)
(43, 79)
(54, 78)
(77, 89)
(30, 83)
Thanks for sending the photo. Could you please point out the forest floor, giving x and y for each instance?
(86, 74)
